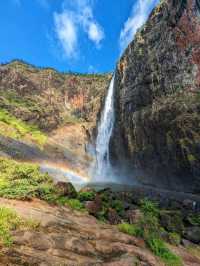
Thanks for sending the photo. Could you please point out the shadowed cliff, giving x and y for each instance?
(157, 99)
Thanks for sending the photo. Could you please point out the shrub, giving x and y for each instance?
(118, 206)
(86, 195)
(149, 226)
(75, 204)
(129, 229)
(194, 219)
(159, 248)
(149, 207)
(24, 181)
(150, 230)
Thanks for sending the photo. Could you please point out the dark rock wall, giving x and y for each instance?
(157, 99)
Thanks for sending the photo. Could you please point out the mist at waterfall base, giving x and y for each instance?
(103, 172)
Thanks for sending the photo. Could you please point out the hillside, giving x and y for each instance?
(47, 98)
(46, 115)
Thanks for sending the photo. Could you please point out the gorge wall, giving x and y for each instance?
(48, 98)
(157, 100)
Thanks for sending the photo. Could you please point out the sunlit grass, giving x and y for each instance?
(15, 128)
(9, 221)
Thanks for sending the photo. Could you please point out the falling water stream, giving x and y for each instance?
(103, 175)
(103, 167)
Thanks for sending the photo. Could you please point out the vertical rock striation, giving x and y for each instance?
(157, 99)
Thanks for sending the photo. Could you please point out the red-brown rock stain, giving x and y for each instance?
(188, 35)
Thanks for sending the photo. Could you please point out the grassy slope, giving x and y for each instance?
(14, 128)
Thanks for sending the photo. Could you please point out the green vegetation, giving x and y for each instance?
(130, 229)
(24, 181)
(9, 220)
(75, 204)
(102, 215)
(174, 238)
(159, 248)
(12, 127)
(149, 208)
(194, 219)
(23, 63)
(118, 206)
(150, 230)
(86, 196)
(191, 158)
(11, 98)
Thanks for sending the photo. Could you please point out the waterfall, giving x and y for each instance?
(103, 167)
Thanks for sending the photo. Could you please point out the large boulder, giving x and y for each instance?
(193, 234)
(134, 216)
(172, 221)
(66, 189)
(95, 206)
(113, 216)
(157, 100)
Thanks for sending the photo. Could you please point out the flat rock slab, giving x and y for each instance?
(71, 238)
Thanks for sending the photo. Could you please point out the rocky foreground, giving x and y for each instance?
(72, 238)
(43, 222)
(67, 237)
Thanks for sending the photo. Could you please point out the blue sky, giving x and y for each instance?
(76, 35)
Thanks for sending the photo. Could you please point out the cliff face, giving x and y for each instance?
(157, 99)
(47, 115)
(47, 98)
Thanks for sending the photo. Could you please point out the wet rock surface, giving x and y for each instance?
(157, 127)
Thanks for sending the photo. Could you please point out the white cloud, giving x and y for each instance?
(91, 27)
(65, 28)
(76, 17)
(95, 33)
(139, 14)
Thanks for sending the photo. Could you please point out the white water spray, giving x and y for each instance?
(103, 166)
